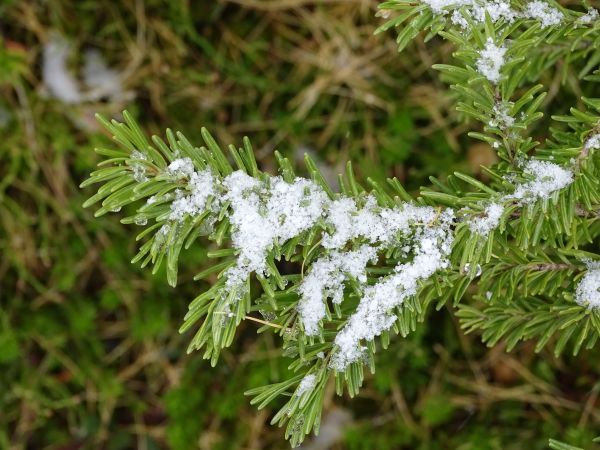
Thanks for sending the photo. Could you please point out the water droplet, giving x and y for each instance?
(467, 269)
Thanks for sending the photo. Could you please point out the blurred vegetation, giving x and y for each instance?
(90, 357)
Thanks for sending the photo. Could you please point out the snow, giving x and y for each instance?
(547, 179)
(181, 168)
(502, 118)
(325, 280)
(591, 16)
(500, 10)
(307, 384)
(371, 222)
(270, 211)
(341, 215)
(476, 9)
(440, 6)
(201, 187)
(543, 12)
(496, 9)
(587, 292)
(375, 312)
(592, 142)
(483, 225)
(266, 213)
(491, 60)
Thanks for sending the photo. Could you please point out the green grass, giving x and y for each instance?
(90, 355)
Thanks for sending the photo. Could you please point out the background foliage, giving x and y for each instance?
(90, 354)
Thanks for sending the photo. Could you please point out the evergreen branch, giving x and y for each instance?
(370, 262)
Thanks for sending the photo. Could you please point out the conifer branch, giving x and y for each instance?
(370, 262)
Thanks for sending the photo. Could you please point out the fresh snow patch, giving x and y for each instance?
(201, 187)
(496, 9)
(483, 225)
(181, 168)
(374, 313)
(491, 60)
(307, 384)
(266, 213)
(325, 280)
(501, 10)
(591, 16)
(476, 9)
(592, 142)
(375, 224)
(548, 178)
(439, 6)
(98, 79)
(543, 12)
(587, 292)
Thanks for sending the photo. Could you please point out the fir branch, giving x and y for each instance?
(372, 261)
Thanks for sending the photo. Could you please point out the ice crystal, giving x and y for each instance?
(139, 169)
(502, 118)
